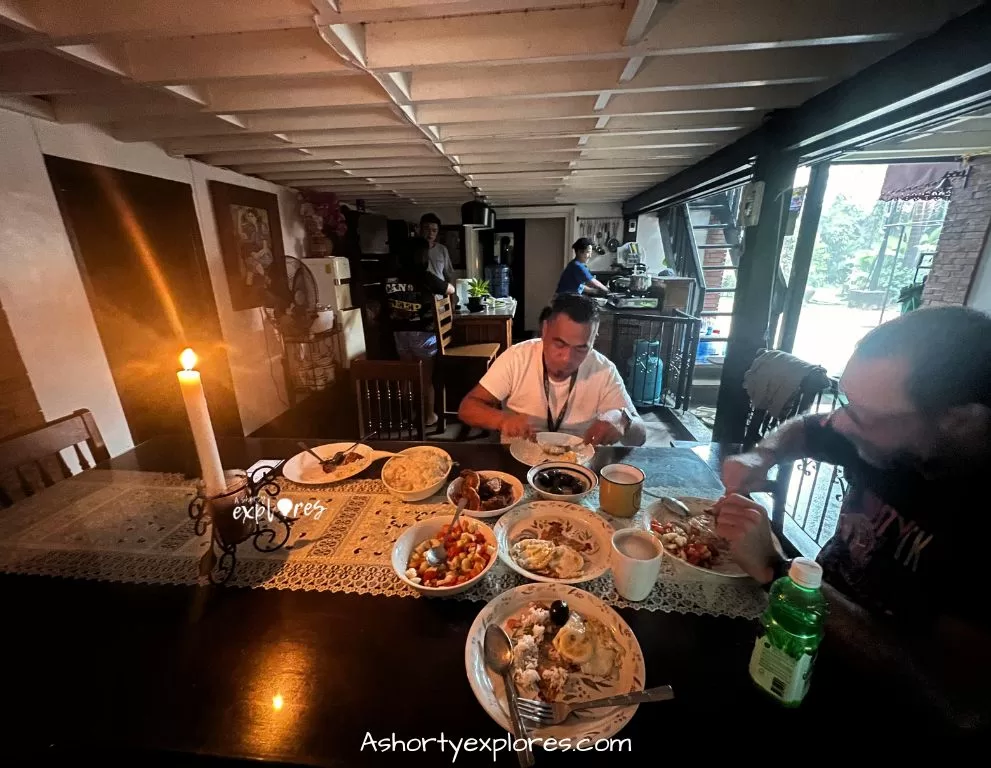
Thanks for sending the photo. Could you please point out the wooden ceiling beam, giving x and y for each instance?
(333, 119)
(263, 94)
(362, 165)
(500, 110)
(523, 176)
(245, 158)
(80, 20)
(38, 72)
(514, 166)
(125, 102)
(276, 52)
(587, 33)
(730, 25)
(608, 163)
(510, 36)
(345, 138)
(662, 73)
(516, 128)
(750, 99)
(197, 124)
(683, 141)
(524, 80)
(521, 147)
(487, 158)
(366, 11)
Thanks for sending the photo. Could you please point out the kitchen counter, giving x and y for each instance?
(507, 309)
(492, 324)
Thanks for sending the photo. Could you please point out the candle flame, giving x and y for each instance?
(188, 359)
(277, 702)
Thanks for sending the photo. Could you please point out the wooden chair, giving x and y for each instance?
(444, 321)
(458, 367)
(32, 461)
(390, 397)
(807, 399)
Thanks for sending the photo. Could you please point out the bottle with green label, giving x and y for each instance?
(793, 623)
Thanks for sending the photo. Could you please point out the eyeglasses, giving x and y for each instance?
(867, 420)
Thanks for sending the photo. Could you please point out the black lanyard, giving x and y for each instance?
(553, 425)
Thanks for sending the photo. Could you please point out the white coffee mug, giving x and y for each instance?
(636, 562)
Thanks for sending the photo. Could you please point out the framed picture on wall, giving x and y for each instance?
(250, 234)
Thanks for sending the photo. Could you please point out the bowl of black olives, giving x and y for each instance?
(561, 480)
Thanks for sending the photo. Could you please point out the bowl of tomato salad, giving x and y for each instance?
(471, 552)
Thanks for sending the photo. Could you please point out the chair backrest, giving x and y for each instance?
(32, 461)
(443, 322)
(390, 398)
(760, 422)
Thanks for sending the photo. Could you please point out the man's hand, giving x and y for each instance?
(516, 425)
(602, 433)
(746, 472)
(745, 525)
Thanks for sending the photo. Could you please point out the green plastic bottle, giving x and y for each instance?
(793, 623)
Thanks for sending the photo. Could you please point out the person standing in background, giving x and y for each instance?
(439, 259)
(409, 291)
(577, 276)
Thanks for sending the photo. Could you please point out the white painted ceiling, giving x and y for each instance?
(960, 137)
(424, 101)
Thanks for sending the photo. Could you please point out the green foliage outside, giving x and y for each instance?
(849, 239)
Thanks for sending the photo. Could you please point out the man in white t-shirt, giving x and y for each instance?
(556, 383)
(438, 257)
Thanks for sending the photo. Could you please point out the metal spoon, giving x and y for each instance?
(671, 504)
(438, 555)
(327, 465)
(499, 658)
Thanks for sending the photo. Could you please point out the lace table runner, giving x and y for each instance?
(114, 525)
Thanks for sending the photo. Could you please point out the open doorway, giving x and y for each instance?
(873, 249)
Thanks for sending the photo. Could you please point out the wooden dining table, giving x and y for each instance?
(145, 674)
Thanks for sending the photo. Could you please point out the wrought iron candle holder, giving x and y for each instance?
(230, 527)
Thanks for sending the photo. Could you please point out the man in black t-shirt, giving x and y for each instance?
(913, 435)
(409, 291)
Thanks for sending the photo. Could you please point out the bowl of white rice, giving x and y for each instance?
(417, 473)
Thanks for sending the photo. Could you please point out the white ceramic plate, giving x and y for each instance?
(592, 724)
(305, 470)
(530, 453)
(487, 474)
(727, 568)
(528, 520)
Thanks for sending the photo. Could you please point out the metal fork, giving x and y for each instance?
(553, 713)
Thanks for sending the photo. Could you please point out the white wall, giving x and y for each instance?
(449, 214)
(649, 239)
(43, 295)
(603, 262)
(542, 268)
(980, 290)
(599, 211)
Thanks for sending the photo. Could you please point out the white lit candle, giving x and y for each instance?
(199, 420)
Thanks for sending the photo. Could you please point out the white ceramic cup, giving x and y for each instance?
(636, 562)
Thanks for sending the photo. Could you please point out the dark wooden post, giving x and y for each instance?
(755, 280)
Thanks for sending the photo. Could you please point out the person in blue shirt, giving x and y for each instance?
(576, 276)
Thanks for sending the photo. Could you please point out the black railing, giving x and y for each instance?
(656, 356)
(810, 493)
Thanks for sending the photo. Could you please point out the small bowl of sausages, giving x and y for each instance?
(489, 493)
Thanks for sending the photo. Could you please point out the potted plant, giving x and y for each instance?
(477, 290)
